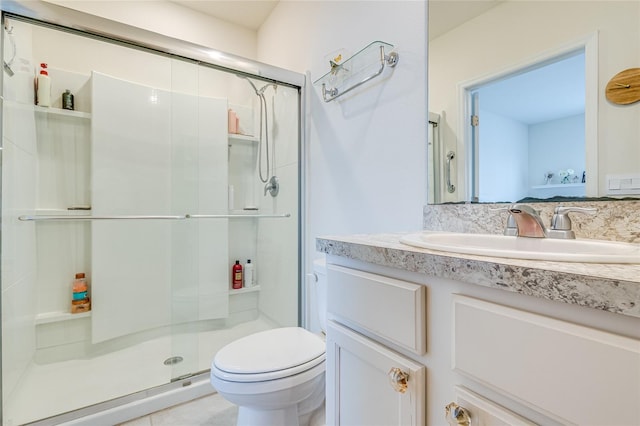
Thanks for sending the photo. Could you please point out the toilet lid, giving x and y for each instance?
(271, 350)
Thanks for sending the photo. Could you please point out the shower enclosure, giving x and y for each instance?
(142, 188)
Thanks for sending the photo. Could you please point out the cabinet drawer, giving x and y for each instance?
(387, 307)
(571, 373)
(484, 412)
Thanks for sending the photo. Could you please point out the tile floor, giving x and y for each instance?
(210, 410)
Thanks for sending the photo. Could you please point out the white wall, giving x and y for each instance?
(553, 146)
(173, 20)
(533, 28)
(556, 145)
(366, 152)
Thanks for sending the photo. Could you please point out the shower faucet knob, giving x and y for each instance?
(272, 186)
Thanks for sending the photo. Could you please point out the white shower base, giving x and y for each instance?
(50, 389)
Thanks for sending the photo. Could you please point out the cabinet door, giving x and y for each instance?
(359, 388)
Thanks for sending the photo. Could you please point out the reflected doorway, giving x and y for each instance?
(527, 132)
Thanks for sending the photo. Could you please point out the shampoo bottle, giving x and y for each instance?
(80, 295)
(43, 87)
(236, 274)
(248, 274)
(233, 122)
(67, 100)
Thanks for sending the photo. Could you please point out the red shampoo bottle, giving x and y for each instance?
(236, 275)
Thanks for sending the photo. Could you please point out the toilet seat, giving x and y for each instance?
(269, 355)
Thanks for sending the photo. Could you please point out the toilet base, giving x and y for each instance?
(251, 417)
(304, 413)
(285, 417)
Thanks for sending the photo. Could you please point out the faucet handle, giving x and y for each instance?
(561, 220)
(511, 229)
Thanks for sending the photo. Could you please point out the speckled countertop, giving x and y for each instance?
(609, 287)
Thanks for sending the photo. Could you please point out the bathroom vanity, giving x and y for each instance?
(512, 341)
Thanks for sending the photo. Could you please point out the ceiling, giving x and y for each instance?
(546, 93)
(445, 15)
(246, 13)
(551, 92)
(252, 13)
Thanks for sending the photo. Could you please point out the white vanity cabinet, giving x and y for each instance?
(504, 357)
(368, 383)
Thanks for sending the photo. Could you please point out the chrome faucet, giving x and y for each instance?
(561, 222)
(528, 222)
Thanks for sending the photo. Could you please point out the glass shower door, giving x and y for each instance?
(132, 189)
(200, 276)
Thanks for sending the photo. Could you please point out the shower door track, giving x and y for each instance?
(134, 405)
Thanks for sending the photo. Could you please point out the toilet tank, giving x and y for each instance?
(319, 288)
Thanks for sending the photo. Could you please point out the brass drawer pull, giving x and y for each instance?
(399, 379)
(457, 415)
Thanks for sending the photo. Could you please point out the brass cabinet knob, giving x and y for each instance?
(399, 379)
(457, 415)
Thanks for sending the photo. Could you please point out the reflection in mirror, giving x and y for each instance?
(433, 151)
(528, 133)
(475, 45)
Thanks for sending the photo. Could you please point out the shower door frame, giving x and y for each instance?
(130, 406)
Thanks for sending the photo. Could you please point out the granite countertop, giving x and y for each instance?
(609, 287)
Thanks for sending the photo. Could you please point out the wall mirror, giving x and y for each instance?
(483, 59)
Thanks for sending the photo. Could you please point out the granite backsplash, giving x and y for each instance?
(617, 220)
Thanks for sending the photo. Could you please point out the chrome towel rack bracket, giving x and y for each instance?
(360, 68)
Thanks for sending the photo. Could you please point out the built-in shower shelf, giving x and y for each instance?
(234, 137)
(244, 290)
(47, 110)
(62, 212)
(50, 317)
(62, 112)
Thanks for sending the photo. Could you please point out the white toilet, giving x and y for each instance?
(276, 377)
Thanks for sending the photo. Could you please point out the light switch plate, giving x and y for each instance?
(623, 184)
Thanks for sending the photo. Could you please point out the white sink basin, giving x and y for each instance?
(587, 251)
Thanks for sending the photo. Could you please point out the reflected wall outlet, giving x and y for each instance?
(625, 184)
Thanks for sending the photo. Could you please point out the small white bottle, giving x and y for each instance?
(248, 274)
(43, 87)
